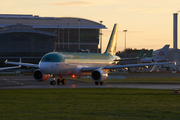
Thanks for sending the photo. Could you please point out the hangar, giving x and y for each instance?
(31, 36)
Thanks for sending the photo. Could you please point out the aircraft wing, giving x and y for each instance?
(124, 59)
(6, 68)
(85, 69)
(23, 64)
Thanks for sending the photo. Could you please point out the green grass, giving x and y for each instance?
(89, 103)
(134, 80)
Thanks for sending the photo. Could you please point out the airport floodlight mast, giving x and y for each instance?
(125, 41)
(63, 37)
(58, 37)
(79, 33)
(100, 36)
(68, 35)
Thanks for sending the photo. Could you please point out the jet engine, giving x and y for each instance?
(99, 75)
(39, 76)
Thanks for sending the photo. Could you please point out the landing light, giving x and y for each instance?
(146, 66)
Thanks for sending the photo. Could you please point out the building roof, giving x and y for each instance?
(49, 22)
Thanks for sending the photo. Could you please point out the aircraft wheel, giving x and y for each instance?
(63, 81)
(59, 81)
(102, 83)
(96, 83)
(53, 82)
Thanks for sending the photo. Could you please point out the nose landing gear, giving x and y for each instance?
(53, 82)
(59, 81)
(101, 83)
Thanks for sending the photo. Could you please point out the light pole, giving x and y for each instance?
(63, 37)
(68, 35)
(125, 41)
(78, 33)
(58, 37)
(101, 36)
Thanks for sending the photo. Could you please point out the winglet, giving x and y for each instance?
(20, 62)
(111, 48)
(6, 60)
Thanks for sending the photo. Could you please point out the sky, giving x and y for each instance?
(149, 22)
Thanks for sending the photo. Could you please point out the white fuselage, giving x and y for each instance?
(73, 66)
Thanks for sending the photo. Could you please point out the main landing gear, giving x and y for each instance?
(59, 81)
(101, 83)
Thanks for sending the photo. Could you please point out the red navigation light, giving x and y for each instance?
(73, 76)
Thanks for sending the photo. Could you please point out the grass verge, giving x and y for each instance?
(89, 103)
(134, 80)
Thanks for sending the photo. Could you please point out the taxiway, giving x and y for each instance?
(27, 82)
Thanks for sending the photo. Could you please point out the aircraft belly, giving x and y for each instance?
(66, 69)
(75, 68)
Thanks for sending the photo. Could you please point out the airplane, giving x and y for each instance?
(132, 60)
(159, 57)
(96, 65)
(147, 55)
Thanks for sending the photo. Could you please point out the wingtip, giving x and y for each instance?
(6, 60)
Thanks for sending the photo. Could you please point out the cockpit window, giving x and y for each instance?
(49, 60)
(52, 57)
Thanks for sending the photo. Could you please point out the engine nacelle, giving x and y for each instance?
(99, 75)
(146, 60)
(39, 76)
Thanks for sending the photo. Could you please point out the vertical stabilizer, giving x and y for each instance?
(111, 48)
(149, 54)
(140, 54)
(162, 53)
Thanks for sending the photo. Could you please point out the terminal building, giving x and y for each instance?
(30, 36)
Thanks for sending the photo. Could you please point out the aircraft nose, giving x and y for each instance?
(45, 68)
(48, 68)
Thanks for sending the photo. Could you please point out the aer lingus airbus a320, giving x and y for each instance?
(96, 65)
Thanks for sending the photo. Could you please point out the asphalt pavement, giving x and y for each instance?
(28, 82)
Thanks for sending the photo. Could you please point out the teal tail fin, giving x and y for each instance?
(140, 54)
(111, 48)
(149, 53)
